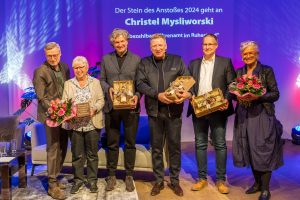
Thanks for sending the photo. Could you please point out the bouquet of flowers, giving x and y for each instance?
(60, 111)
(247, 86)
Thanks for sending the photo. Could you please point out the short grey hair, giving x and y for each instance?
(249, 43)
(81, 60)
(51, 45)
(116, 33)
(158, 35)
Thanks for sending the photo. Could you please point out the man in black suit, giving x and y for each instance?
(118, 65)
(210, 72)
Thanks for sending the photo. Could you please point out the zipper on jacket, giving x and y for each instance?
(162, 69)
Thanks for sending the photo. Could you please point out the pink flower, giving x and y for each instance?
(64, 106)
(250, 82)
(57, 101)
(61, 112)
(50, 110)
(256, 86)
(240, 85)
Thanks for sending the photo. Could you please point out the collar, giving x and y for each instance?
(123, 55)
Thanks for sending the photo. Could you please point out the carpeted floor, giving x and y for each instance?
(37, 187)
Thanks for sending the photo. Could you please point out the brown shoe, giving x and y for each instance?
(199, 185)
(56, 193)
(157, 188)
(176, 189)
(222, 187)
(61, 185)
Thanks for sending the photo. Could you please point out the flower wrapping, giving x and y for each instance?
(60, 111)
(182, 83)
(247, 86)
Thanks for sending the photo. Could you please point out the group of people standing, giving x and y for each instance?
(257, 132)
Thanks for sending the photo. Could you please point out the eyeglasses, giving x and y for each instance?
(53, 56)
(208, 44)
(79, 68)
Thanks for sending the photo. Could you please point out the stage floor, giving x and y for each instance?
(285, 182)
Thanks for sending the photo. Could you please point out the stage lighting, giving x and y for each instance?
(296, 135)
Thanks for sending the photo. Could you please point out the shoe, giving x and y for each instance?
(76, 188)
(157, 188)
(199, 185)
(264, 195)
(253, 189)
(56, 193)
(110, 183)
(129, 183)
(176, 189)
(61, 185)
(222, 187)
(93, 187)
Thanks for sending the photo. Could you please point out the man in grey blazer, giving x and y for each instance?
(118, 65)
(210, 72)
(48, 81)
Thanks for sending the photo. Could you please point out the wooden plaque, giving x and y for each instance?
(83, 110)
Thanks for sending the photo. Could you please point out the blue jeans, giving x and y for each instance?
(217, 124)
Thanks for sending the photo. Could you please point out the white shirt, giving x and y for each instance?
(206, 73)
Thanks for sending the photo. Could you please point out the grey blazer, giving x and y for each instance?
(223, 74)
(110, 72)
(46, 87)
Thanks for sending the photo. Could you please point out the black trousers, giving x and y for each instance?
(164, 128)
(113, 121)
(85, 148)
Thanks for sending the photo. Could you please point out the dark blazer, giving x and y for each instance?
(46, 87)
(223, 75)
(266, 75)
(110, 72)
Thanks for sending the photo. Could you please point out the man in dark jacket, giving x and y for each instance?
(210, 72)
(48, 81)
(119, 65)
(155, 73)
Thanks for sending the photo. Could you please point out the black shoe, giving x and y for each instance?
(76, 188)
(93, 187)
(176, 189)
(129, 184)
(253, 189)
(265, 195)
(157, 188)
(111, 182)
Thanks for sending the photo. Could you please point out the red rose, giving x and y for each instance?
(240, 85)
(256, 86)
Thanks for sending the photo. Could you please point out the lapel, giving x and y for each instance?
(217, 63)
(197, 74)
(115, 61)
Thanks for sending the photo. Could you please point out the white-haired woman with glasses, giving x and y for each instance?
(84, 139)
(257, 133)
